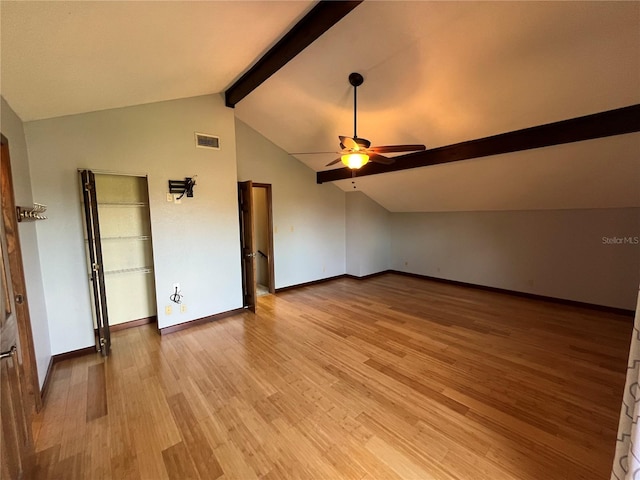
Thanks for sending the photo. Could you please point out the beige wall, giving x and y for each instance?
(368, 238)
(12, 128)
(195, 243)
(556, 253)
(308, 219)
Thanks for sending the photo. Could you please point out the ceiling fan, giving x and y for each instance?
(357, 151)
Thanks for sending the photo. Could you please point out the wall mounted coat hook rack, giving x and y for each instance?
(26, 214)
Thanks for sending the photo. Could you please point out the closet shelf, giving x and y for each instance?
(129, 270)
(126, 237)
(122, 204)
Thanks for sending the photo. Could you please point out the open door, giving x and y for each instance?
(103, 338)
(245, 208)
(19, 388)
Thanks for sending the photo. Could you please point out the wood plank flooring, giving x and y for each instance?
(386, 378)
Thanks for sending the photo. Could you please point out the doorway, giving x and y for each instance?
(256, 241)
(263, 235)
(119, 252)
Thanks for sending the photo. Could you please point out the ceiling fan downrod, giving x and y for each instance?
(355, 79)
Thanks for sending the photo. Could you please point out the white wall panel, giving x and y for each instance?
(556, 253)
(194, 243)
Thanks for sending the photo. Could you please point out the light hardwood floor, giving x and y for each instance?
(390, 377)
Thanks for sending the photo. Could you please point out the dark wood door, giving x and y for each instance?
(16, 444)
(96, 264)
(245, 207)
(19, 388)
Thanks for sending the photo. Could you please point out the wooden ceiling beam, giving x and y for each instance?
(598, 125)
(320, 19)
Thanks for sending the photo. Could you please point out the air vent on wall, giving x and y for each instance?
(204, 140)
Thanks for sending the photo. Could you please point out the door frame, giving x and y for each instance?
(27, 353)
(153, 318)
(270, 259)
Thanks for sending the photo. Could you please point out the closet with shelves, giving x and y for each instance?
(122, 233)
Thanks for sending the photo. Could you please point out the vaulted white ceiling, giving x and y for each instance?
(61, 58)
(435, 73)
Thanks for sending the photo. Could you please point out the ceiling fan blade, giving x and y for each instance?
(398, 148)
(354, 143)
(347, 143)
(362, 142)
(334, 162)
(374, 157)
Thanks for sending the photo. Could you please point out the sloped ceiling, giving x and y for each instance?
(445, 72)
(435, 73)
(61, 58)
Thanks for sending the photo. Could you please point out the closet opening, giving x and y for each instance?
(119, 252)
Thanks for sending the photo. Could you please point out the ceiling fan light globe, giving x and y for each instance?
(355, 160)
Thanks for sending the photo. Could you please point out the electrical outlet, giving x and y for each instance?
(177, 200)
(169, 197)
(183, 308)
(168, 310)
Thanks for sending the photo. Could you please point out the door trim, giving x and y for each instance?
(111, 172)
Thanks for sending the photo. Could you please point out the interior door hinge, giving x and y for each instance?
(95, 267)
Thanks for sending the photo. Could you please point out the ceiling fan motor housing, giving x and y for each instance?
(356, 79)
